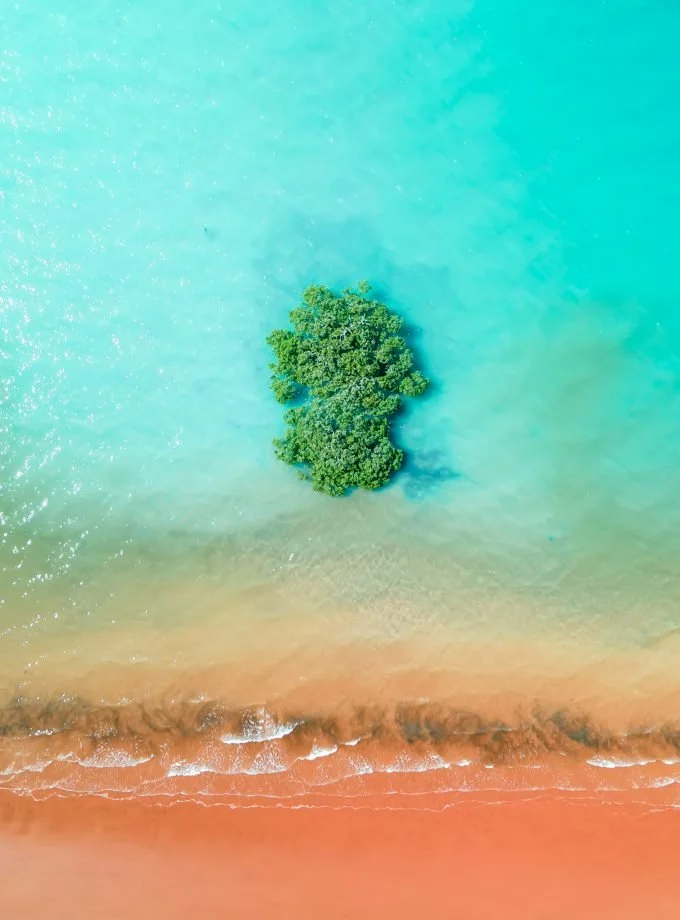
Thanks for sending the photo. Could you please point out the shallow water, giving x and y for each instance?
(171, 179)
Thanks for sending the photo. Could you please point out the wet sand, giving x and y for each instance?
(551, 856)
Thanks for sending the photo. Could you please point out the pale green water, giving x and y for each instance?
(172, 176)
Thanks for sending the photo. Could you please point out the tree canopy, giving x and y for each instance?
(345, 368)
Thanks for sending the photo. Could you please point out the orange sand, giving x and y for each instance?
(538, 858)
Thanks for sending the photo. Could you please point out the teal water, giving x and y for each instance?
(172, 176)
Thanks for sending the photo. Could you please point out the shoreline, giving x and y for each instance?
(436, 718)
(205, 750)
(558, 856)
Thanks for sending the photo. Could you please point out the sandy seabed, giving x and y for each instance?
(480, 856)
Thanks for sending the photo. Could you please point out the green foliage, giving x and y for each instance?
(346, 362)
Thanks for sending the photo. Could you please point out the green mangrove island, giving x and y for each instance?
(344, 368)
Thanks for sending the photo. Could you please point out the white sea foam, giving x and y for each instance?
(406, 764)
(319, 751)
(104, 759)
(113, 759)
(15, 770)
(263, 728)
(662, 781)
(186, 768)
(268, 761)
(613, 763)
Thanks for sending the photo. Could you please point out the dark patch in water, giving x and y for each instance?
(211, 717)
(578, 729)
(153, 730)
(424, 471)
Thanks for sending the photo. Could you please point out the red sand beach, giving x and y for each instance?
(534, 857)
(298, 828)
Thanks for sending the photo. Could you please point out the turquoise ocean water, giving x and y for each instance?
(171, 177)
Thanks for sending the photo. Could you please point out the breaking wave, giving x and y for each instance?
(207, 749)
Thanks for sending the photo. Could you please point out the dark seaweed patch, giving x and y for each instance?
(154, 728)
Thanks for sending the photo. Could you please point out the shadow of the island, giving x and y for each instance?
(424, 471)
